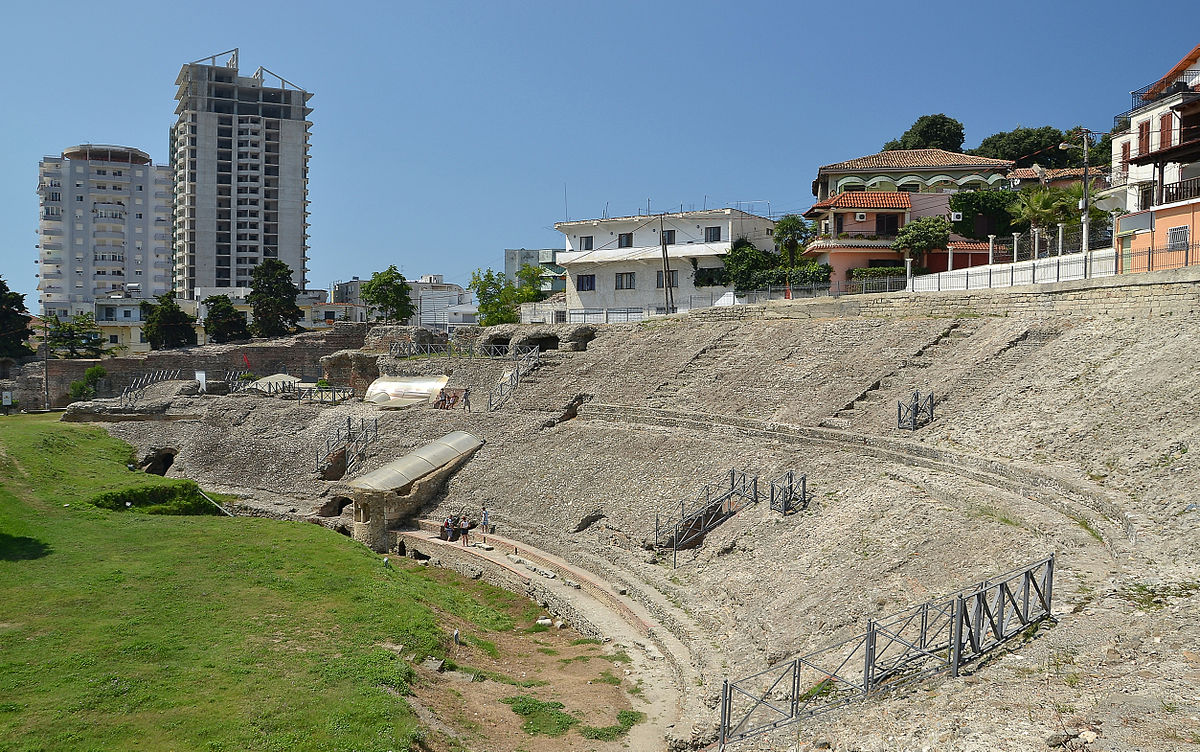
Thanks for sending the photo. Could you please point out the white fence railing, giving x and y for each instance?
(1101, 263)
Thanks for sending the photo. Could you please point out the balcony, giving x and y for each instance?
(52, 246)
(1184, 190)
(1148, 95)
(109, 235)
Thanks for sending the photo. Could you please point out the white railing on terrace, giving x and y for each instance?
(1063, 268)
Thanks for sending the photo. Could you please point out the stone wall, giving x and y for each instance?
(299, 355)
(1149, 294)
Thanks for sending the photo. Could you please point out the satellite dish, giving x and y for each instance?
(1108, 203)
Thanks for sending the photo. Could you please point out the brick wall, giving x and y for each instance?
(299, 355)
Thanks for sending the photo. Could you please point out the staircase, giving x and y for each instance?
(667, 393)
(880, 397)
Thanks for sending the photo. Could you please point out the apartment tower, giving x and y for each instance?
(104, 228)
(239, 156)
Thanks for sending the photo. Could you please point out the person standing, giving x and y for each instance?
(466, 399)
(464, 528)
(485, 523)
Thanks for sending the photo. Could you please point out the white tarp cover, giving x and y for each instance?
(397, 391)
(277, 378)
(418, 463)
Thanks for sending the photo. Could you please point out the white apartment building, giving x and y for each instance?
(1153, 142)
(437, 302)
(104, 228)
(239, 156)
(617, 263)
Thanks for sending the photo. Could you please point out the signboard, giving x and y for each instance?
(200, 375)
(6, 399)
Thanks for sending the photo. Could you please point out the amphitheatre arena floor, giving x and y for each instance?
(1054, 434)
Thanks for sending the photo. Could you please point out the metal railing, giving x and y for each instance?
(737, 491)
(451, 350)
(276, 387)
(507, 384)
(132, 393)
(938, 636)
(789, 493)
(326, 395)
(237, 380)
(350, 437)
(914, 412)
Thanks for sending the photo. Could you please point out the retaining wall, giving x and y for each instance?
(1165, 293)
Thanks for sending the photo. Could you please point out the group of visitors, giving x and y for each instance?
(461, 524)
(448, 398)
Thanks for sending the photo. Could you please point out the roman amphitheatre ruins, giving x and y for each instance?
(1062, 427)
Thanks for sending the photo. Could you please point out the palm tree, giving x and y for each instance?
(791, 232)
(1040, 208)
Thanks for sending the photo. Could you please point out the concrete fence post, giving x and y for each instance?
(991, 250)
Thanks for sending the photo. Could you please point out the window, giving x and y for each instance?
(79, 198)
(711, 235)
(909, 188)
(585, 242)
(1177, 238)
(585, 282)
(674, 279)
(1165, 125)
(625, 240)
(54, 196)
(113, 339)
(853, 188)
(668, 237)
(1125, 159)
(1143, 137)
(126, 313)
(625, 280)
(887, 224)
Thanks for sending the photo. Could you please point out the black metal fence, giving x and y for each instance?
(326, 395)
(789, 493)
(132, 393)
(914, 412)
(352, 437)
(528, 360)
(453, 350)
(939, 636)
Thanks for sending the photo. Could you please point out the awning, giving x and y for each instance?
(419, 463)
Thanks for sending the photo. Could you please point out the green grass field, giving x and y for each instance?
(121, 630)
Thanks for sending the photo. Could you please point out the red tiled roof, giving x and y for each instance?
(1174, 73)
(1061, 173)
(866, 200)
(969, 245)
(916, 158)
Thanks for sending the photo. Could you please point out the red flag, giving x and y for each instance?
(246, 360)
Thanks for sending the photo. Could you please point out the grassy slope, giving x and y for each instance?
(132, 631)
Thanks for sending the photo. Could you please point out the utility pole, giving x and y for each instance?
(1087, 209)
(46, 361)
(667, 297)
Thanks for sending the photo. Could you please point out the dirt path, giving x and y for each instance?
(658, 661)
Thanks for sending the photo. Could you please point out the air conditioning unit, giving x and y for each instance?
(955, 216)
(860, 216)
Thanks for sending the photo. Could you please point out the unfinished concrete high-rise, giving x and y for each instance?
(239, 154)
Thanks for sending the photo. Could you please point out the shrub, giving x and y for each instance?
(876, 272)
(79, 391)
(182, 497)
(323, 383)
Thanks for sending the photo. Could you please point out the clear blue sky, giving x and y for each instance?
(444, 132)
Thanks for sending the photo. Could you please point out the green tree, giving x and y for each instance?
(14, 324)
(791, 234)
(389, 292)
(77, 337)
(1026, 146)
(497, 297)
(931, 132)
(85, 388)
(166, 325)
(224, 323)
(984, 212)
(749, 268)
(1038, 207)
(273, 299)
(923, 235)
(529, 284)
